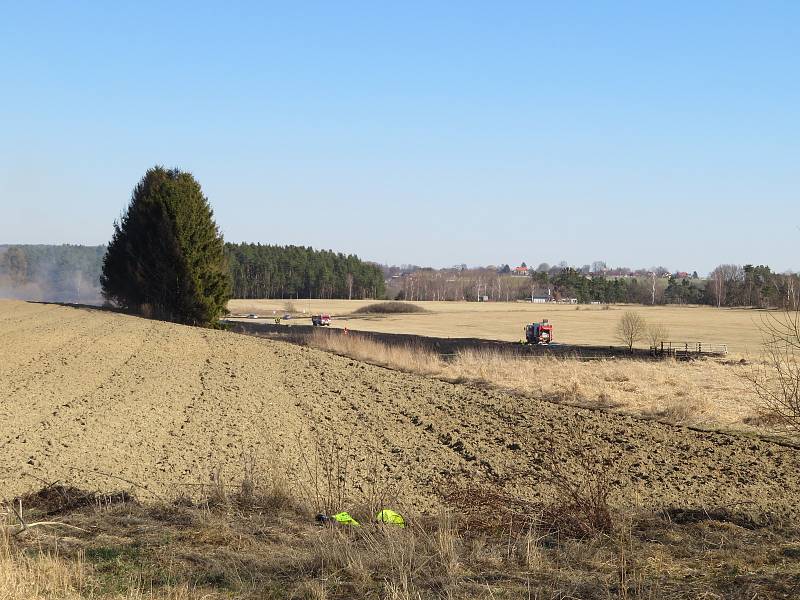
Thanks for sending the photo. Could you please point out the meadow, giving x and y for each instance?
(740, 329)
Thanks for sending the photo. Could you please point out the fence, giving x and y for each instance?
(688, 349)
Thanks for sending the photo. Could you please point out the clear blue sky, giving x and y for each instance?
(638, 133)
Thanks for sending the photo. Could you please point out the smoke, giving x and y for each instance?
(69, 274)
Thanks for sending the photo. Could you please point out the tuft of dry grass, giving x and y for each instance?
(41, 573)
(42, 576)
(404, 357)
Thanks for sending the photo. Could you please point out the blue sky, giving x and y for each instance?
(638, 133)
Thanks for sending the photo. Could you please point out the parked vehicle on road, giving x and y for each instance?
(320, 320)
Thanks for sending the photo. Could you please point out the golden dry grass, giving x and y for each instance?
(42, 574)
(708, 393)
(740, 329)
(240, 550)
(24, 577)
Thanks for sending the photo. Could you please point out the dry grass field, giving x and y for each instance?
(710, 393)
(231, 443)
(740, 329)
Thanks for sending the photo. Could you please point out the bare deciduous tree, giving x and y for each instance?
(656, 333)
(776, 378)
(631, 328)
(349, 279)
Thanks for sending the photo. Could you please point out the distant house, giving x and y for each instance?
(540, 299)
(521, 271)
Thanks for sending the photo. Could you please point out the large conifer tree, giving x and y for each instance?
(166, 258)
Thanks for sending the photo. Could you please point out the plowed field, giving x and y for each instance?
(100, 400)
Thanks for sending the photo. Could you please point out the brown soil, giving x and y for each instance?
(102, 401)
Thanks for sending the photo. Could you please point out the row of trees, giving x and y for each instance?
(727, 285)
(749, 285)
(64, 273)
(71, 273)
(264, 271)
(473, 284)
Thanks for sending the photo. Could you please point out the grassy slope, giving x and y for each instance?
(263, 544)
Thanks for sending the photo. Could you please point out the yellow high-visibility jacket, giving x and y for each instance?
(345, 519)
(390, 517)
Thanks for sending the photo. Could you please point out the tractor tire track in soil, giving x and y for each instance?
(163, 405)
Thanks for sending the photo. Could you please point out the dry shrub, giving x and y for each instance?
(408, 561)
(311, 590)
(581, 483)
(569, 393)
(490, 509)
(616, 376)
(604, 400)
(260, 487)
(657, 333)
(680, 411)
(264, 489)
(387, 308)
(333, 485)
(328, 470)
(580, 480)
(289, 307)
(776, 379)
(763, 418)
(57, 499)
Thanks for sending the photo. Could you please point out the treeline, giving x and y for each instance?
(265, 271)
(727, 285)
(71, 273)
(750, 285)
(570, 283)
(564, 283)
(50, 273)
